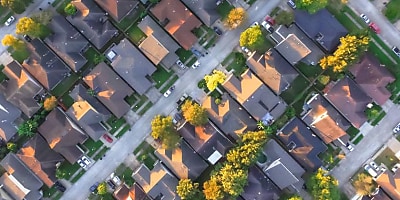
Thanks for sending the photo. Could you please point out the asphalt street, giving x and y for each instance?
(186, 84)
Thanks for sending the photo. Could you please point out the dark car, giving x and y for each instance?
(111, 184)
(291, 4)
(217, 30)
(27, 38)
(93, 188)
(196, 52)
(59, 186)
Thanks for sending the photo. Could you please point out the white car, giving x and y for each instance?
(86, 160)
(370, 171)
(365, 18)
(9, 21)
(396, 129)
(169, 91)
(350, 147)
(196, 65)
(396, 51)
(395, 167)
(180, 64)
(81, 163)
(255, 24)
(267, 26)
(374, 165)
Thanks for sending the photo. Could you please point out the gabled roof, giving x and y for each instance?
(183, 161)
(350, 100)
(255, 97)
(177, 20)
(110, 88)
(118, 9)
(153, 49)
(302, 144)
(8, 115)
(21, 89)
(259, 186)
(273, 70)
(325, 120)
(131, 65)
(151, 28)
(62, 135)
(67, 43)
(282, 169)
(158, 182)
(92, 22)
(80, 93)
(321, 26)
(206, 10)
(134, 193)
(229, 116)
(44, 65)
(19, 182)
(390, 183)
(205, 140)
(37, 155)
(293, 49)
(372, 78)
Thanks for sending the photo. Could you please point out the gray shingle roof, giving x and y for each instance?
(92, 22)
(18, 171)
(21, 89)
(44, 65)
(273, 70)
(8, 115)
(206, 10)
(132, 66)
(118, 9)
(67, 42)
(321, 26)
(259, 186)
(293, 49)
(302, 144)
(110, 88)
(62, 135)
(80, 93)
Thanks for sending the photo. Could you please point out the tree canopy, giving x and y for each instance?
(364, 184)
(10, 40)
(17, 6)
(312, 6)
(70, 9)
(251, 37)
(102, 188)
(163, 129)
(323, 186)
(213, 80)
(27, 25)
(284, 17)
(50, 103)
(235, 17)
(28, 128)
(194, 113)
(212, 189)
(186, 189)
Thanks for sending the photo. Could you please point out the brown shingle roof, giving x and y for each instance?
(118, 9)
(179, 21)
(390, 183)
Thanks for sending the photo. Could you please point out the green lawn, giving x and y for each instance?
(78, 176)
(358, 139)
(160, 76)
(60, 8)
(264, 46)
(387, 157)
(93, 58)
(115, 123)
(127, 176)
(183, 54)
(100, 153)
(392, 10)
(48, 192)
(238, 64)
(352, 131)
(328, 157)
(65, 85)
(142, 100)
(223, 9)
(170, 83)
(311, 72)
(2, 75)
(67, 100)
(123, 131)
(69, 169)
(135, 34)
(228, 59)
(142, 146)
(20, 54)
(92, 146)
(8, 15)
(131, 99)
(296, 90)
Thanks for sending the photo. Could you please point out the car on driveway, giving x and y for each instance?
(108, 138)
(270, 20)
(169, 91)
(196, 65)
(180, 64)
(9, 21)
(396, 129)
(365, 18)
(370, 170)
(396, 50)
(375, 28)
(350, 147)
(395, 167)
(217, 30)
(59, 186)
(81, 163)
(93, 188)
(86, 160)
(291, 4)
(374, 165)
(267, 26)
(255, 24)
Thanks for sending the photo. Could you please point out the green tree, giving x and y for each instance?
(102, 188)
(212, 190)
(27, 128)
(60, 174)
(260, 125)
(285, 18)
(323, 186)
(12, 147)
(235, 18)
(50, 103)
(186, 189)
(213, 80)
(323, 79)
(251, 37)
(43, 17)
(163, 129)
(364, 184)
(17, 6)
(70, 9)
(27, 25)
(312, 6)
(194, 113)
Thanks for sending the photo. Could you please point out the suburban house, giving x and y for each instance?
(87, 115)
(118, 10)
(325, 121)
(67, 43)
(273, 70)
(40, 159)
(302, 45)
(131, 65)
(261, 102)
(302, 144)
(281, 168)
(159, 47)
(350, 100)
(206, 140)
(123, 192)
(322, 27)
(177, 20)
(206, 10)
(44, 65)
(390, 183)
(21, 89)
(18, 182)
(109, 88)
(92, 22)
(373, 78)
(230, 117)
(259, 186)
(158, 183)
(182, 161)
(62, 135)
(9, 115)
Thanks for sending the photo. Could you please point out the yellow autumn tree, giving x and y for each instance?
(50, 103)
(212, 190)
(212, 81)
(186, 189)
(235, 18)
(163, 129)
(232, 180)
(194, 113)
(364, 184)
(27, 25)
(323, 186)
(251, 37)
(8, 40)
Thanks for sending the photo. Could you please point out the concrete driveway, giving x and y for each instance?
(187, 83)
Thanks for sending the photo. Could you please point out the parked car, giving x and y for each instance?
(267, 26)
(255, 24)
(9, 21)
(180, 64)
(59, 186)
(169, 91)
(350, 147)
(111, 184)
(270, 20)
(375, 28)
(370, 171)
(93, 188)
(27, 38)
(81, 163)
(196, 64)
(116, 180)
(107, 138)
(86, 160)
(374, 165)
(396, 129)
(291, 4)
(217, 30)
(395, 167)
(245, 50)
(196, 52)
(396, 50)
(365, 18)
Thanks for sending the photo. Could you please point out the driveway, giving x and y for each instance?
(187, 83)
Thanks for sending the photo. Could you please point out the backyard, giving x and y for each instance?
(145, 154)
(392, 10)
(223, 9)
(135, 34)
(387, 157)
(237, 62)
